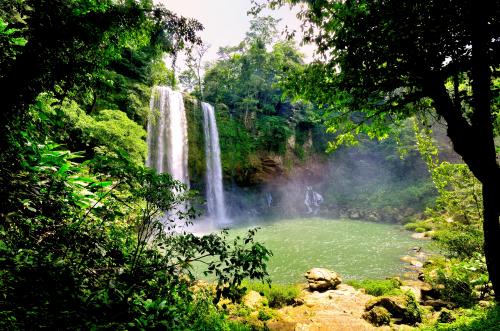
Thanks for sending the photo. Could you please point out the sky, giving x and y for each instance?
(226, 22)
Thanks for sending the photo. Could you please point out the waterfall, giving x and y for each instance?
(214, 188)
(167, 134)
(312, 201)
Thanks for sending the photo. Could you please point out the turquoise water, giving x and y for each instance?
(355, 249)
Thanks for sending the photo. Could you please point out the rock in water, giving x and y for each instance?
(321, 279)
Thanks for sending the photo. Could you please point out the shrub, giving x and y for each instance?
(475, 319)
(457, 280)
(264, 315)
(460, 241)
(419, 226)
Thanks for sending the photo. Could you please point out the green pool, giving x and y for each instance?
(355, 249)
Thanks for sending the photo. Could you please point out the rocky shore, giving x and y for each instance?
(325, 303)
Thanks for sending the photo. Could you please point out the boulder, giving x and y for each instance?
(373, 217)
(413, 261)
(321, 279)
(417, 263)
(407, 258)
(378, 316)
(254, 300)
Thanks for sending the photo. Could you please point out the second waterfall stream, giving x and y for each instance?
(214, 186)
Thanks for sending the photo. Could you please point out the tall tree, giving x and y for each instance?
(192, 76)
(385, 60)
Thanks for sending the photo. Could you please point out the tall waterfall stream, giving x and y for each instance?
(167, 134)
(214, 186)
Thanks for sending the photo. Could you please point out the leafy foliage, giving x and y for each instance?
(93, 239)
(459, 191)
(457, 215)
(462, 281)
(471, 320)
(66, 252)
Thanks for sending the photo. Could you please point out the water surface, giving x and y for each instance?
(355, 249)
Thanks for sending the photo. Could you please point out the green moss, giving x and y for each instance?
(413, 314)
(378, 316)
(377, 287)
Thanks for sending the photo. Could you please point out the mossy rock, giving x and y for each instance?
(402, 308)
(378, 316)
(396, 305)
(446, 316)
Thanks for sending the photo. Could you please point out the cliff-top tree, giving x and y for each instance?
(385, 60)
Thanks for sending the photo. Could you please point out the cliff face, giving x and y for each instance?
(272, 179)
(196, 155)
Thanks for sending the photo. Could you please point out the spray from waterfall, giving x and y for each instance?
(214, 187)
(167, 134)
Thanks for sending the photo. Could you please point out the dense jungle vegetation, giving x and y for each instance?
(81, 244)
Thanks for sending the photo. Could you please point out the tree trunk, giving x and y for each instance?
(491, 228)
(482, 124)
(474, 141)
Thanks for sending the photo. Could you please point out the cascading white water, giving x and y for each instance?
(312, 201)
(214, 187)
(167, 134)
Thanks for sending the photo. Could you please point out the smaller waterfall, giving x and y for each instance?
(214, 187)
(269, 199)
(312, 201)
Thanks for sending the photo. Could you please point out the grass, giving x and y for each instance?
(419, 226)
(238, 326)
(277, 295)
(377, 287)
